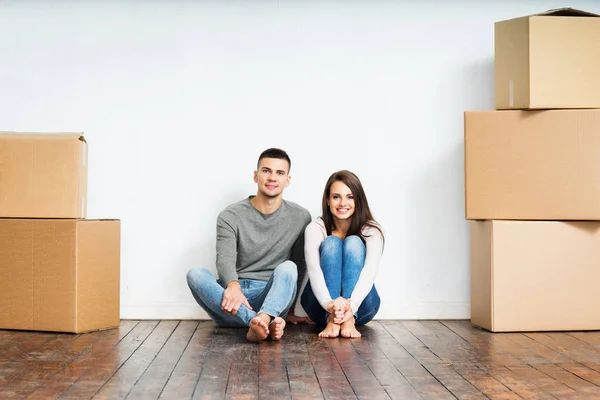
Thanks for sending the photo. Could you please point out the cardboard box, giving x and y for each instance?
(548, 60)
(43, 175)
(60, 275)
(535, 275)
(532, 165)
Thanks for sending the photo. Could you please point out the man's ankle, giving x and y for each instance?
(265, 317)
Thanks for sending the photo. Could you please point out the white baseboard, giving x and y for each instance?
(163, 311)
(427, 310)
(422, 310)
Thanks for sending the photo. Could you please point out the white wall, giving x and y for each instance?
(178, 98)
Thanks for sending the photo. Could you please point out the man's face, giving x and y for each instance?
(272, 176)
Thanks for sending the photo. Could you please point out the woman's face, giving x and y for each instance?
(340, 201)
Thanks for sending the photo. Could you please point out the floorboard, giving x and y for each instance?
(392, 360)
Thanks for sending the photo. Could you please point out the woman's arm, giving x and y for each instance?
(374, 248)
(313, 236)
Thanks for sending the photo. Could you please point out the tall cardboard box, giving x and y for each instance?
(535, 275)
(532, 165)
(43, 175)
(60, 275)
(548, 61)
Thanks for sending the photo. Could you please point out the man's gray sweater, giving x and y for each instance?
(251, 244)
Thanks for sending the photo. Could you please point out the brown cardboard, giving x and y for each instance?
(532, 165)
(548, 60)
(43, 175)
(535, 275)
(60, 275)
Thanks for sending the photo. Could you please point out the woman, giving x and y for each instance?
(342, 250)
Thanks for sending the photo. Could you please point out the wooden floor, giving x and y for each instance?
(393, 359)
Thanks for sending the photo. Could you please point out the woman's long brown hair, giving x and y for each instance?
(362, 213)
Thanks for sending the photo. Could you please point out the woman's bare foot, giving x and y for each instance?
(277, 327)
(349, 330)
(259, 328)
(332, 329)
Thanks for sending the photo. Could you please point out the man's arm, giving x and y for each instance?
(226, 266)
(226, 249)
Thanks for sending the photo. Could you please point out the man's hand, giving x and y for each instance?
(294, 319)
(233, 298)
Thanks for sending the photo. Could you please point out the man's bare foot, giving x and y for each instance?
(349, 330)
(332, 329)
(277, 327)
(259, 328)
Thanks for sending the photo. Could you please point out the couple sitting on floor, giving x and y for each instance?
(266, 244)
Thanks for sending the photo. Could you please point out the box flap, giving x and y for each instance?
(532, 165)
(482, 274)
(566, 12)
(545, 276)
(98, 274)
(44, 175)
(63, 219)
(37, 275)
(51, 136)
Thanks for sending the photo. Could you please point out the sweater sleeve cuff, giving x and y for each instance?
(325, 303)
(354, 307)
(228, 278)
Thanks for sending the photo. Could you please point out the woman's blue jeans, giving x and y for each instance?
(342, 262)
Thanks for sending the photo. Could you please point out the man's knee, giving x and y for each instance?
(195, 276)
(288, 269)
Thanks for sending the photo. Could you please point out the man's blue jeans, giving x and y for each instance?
(341, 262)
(274, 297)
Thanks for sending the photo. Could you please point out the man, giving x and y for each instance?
(260, 256)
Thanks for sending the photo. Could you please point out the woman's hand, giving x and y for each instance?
(339, 308)
(344, 317)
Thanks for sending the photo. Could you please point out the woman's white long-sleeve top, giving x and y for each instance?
(314, 235)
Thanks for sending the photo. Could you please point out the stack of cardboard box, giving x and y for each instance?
(58, 270)
(532, 178)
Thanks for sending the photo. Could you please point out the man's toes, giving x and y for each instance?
(277, 327)
(258, 330)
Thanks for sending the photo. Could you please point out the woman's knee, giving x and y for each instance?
(355, 246)
(332, 245)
